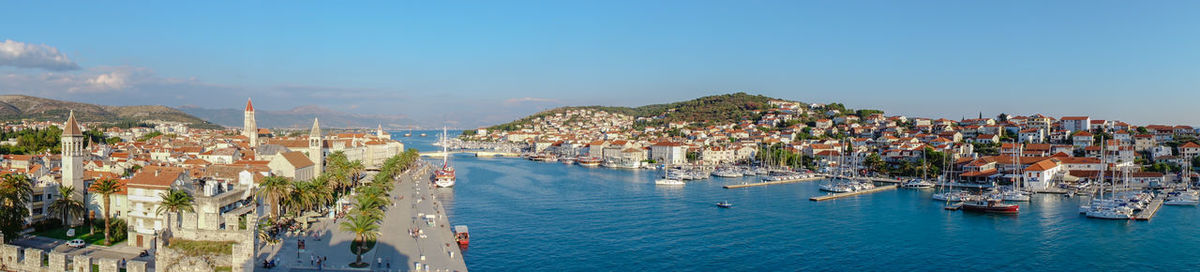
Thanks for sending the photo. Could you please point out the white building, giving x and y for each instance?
(668, 153)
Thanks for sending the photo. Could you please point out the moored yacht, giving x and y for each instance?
(990, 206)
(445, 177)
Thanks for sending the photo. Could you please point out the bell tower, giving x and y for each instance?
(315, 148)
(72, 157)
(249, 127)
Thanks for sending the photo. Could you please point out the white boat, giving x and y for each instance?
(952, 196)
(727, 173)
(670, 182)
(1181, 201)
(1011, 195)
(917, 184)
(1116, 213)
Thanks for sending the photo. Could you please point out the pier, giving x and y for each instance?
(1151, 210)
(863, 192)
(765, 183)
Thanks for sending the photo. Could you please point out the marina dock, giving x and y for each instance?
(765, 183)
(1151, 210)
(863, 192)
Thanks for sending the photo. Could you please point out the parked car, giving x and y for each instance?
(77, 243)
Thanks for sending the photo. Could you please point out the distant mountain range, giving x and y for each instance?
(18, 107)
(299, 117)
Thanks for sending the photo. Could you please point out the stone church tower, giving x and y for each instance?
(72, 157)
(249, 127)
(316, 154)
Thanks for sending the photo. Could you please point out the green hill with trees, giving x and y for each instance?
(726, 108)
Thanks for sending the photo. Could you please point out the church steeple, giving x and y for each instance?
(316, 149)
(72, 157)
(249, 126)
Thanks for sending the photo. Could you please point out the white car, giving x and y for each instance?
(77, 243)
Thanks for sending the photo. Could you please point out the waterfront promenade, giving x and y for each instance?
(395, 249)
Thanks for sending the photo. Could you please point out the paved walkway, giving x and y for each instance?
(396, 250)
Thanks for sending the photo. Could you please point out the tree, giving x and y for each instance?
(355, 169)
(15, 191)
(66, 205)
(876, 163)
(175, 201)
(106, 188)
(274, 189)
(364, 228)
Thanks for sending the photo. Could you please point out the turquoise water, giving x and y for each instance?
(531, 216)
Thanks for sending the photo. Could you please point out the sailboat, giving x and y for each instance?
(1015, 194)
(445, 177)
(948, 194)
(1187, 197)
(923, 182)
(1102, 208)
(409, 134)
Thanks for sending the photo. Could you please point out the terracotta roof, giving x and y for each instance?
(297, 159)
(155, 177)
(1190, 145)
(1042, 165)
(249, 105)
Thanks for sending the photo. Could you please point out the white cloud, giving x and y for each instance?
(24, 55)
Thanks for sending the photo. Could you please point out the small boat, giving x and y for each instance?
(990, 206)
(724, 204)
(462, 236)
(917, 184)
(590, 162)
(671, 182)
(422, 134)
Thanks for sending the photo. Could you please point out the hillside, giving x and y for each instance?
(18, 107)
(299, 117)
(725, 108)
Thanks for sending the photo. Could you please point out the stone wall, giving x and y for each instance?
(15, 258)
(241, 259)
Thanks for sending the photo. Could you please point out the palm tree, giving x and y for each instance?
(15, 191)
(370, 206)
(364, 228)
(175, 201)
(107, 187)
(66, 205)
(355, 170)
(274, 189)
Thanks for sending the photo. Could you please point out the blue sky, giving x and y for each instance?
(479, 62)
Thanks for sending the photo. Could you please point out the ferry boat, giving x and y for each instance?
(590, 162)
(462, 236)
(990, 206)
(725, 204)
(445, 177)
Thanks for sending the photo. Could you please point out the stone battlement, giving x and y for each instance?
(15, 258)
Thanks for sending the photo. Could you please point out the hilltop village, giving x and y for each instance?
(1044, 151)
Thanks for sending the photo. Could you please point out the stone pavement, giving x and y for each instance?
(395, 250)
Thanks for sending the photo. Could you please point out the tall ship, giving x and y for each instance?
(444, 177)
